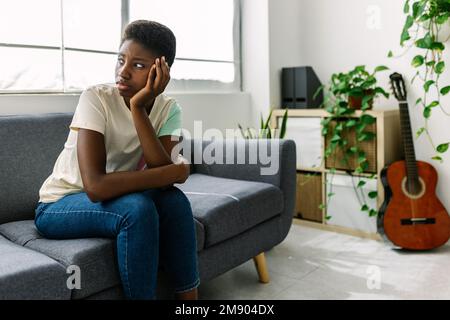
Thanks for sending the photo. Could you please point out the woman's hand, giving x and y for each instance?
(158, 78)
(184, 168)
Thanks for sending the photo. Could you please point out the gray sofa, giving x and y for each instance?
(239, 215)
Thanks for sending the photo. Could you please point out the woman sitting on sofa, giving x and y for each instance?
(95, 189)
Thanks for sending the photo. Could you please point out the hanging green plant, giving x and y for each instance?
(426, 20)
(345, 134)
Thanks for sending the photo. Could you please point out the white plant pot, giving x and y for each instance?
(444, 32)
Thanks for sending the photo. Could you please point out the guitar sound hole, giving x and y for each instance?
(414, 187)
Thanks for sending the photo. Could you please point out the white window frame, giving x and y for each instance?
(176, 85)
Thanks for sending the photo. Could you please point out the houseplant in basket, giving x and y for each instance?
(349, 138)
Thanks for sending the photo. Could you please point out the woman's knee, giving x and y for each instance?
(140, 208)
(176, 203)
(176, 196)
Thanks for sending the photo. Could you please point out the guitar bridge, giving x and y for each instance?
(413, 221)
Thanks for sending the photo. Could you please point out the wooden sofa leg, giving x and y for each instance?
(261, 267)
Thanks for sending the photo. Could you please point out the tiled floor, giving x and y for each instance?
(317, 264)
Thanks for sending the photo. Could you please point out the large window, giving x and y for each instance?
(67, 45)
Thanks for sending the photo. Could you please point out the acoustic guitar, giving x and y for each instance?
(411, 217)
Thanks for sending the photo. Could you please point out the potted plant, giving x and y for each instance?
(346, 134)
(357, 87)
(265, 131)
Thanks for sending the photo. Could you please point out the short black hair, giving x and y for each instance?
(154, 36)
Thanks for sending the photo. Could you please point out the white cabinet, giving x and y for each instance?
(344, 206)
(306, 132)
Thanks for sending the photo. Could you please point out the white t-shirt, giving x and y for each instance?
(102, 109)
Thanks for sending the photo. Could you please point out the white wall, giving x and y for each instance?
(286, 43)
(338, 35)
(255, 56)
(271, 39)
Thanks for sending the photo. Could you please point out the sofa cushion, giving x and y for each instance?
(21, 232)
(27, 274)
(228, 207)
(95, 256)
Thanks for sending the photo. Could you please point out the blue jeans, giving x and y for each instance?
(147, 226)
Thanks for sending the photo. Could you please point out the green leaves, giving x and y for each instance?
(439, 68)
(365, 136)
(318, 91)
(379, 90)
(380, 68)
(373, 213)
(428, 84)
(405, 34)
(433, 104)
(361, 184)
(445, 90)
(443, 18)
(336, 138)
(438, 46)
(350, 123)
(418, 8)
(427, 112)
(417, 61)
(265, 131)
(406, 7)
(367, 119)
(283, 124)
(425, 42)
(419, 132)
(442, 147)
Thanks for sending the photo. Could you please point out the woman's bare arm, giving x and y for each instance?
(101, 186)
(155, 154)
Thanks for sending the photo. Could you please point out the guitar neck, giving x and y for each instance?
(408, 145)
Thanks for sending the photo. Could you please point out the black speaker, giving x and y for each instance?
(298, 86)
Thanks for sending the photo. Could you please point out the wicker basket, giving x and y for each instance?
(335, 160)
(309, 196)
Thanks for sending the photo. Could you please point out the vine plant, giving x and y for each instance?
(425, 21)
(343, 89)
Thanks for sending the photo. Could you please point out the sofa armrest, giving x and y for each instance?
(263, 160)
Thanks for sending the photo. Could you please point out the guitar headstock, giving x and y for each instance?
(398, 86)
